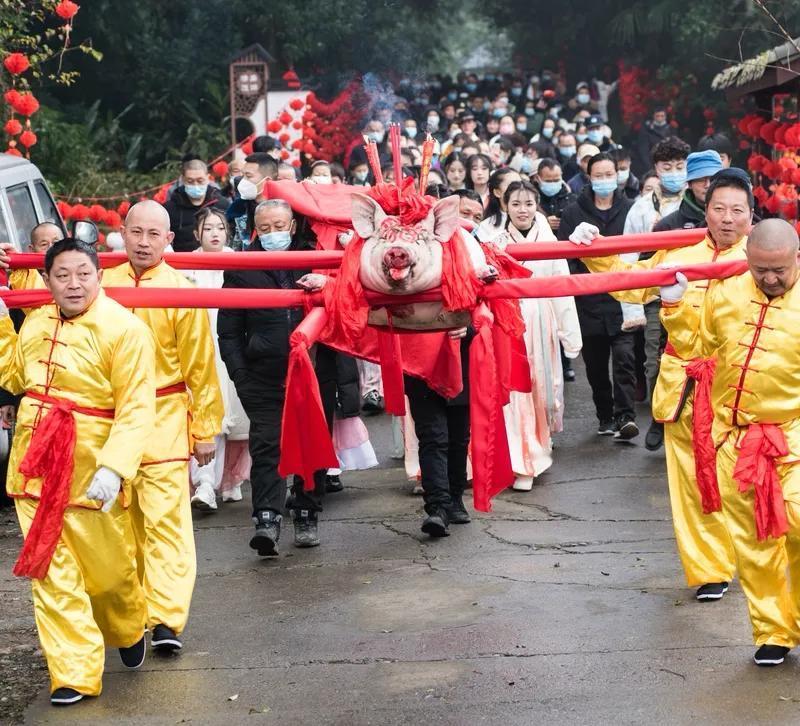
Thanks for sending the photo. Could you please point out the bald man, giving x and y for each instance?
(189, 414)
(749, 327)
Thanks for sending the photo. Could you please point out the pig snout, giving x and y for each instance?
(398, 262)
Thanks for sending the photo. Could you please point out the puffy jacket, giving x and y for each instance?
(183, 215)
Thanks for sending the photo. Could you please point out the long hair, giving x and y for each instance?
(494, 209)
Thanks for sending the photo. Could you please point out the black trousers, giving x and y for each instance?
(263, 401)
(442, 428)
(612, 401)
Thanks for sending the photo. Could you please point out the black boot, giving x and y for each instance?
(458, 512)
(306, 531)
(655, 436)
(435, 523)
(268, 532)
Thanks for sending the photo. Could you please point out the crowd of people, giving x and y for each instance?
(528, 163)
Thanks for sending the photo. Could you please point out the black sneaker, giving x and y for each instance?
(372, 403)
(306, 531)
(268, 532)
(458, 512)
(711, 591)
(655, 436)
(133, 657)
(435, 525)
(606, 428)
(65, 697)
(333, 484)
(569, 374)
(627, 430)
(164, 639)
(770, 655)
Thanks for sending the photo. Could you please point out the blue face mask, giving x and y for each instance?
(526, 165)
(567, 151)
(673, 181)
(196, 191)
(471, 87)
(584, 98)
(595, 136)
(530, 111)
(452, 95)
(275, 241)
(516, 91)
(499, 112)
(411, 131)
(376, 136)
(604, 187)
(550, 189)
(486, 105)
(580, 137)
(547, 132)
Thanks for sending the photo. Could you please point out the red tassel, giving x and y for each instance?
(705, 454)
(394, 398)
(306, 444)
(491, 460)
(460, 284)
(50, 456)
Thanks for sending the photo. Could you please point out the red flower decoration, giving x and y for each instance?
(296, 104)
(67, 9)
(123, 208)
(220, 168)
(274, 126)
(26, 104)
(16, 63)
(27, 138)
(12, 127)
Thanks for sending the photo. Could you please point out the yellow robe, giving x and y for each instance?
(160, 511)
(26, 279)
(91, 597)
(757, 381)
(703, 542)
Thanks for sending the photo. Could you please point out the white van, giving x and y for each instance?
(25, 201)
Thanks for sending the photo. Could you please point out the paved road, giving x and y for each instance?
(566, 605)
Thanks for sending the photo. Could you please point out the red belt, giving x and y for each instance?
(51, 457)
(179, 387)
(701, 370)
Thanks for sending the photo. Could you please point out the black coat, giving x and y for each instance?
(555, 206)
(598, 314)
(182, 216)
(688, 215)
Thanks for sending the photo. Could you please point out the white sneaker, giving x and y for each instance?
(205, 498)
(233, 495)
(523, 483)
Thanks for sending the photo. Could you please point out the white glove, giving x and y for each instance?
(344, 238)
(584, 234)
(105, 487)
(673, 293)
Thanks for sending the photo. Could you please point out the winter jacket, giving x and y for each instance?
(598, 314)
(689, 215)
(183, 215)
(648, 137)
(555, 206)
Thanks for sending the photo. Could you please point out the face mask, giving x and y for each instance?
(376, 136)
(604, 187)
(275, 241)
(584, 98)
(322, 180)
(247, 190)
(516, 91)
(530, 111)
(499, 112)
(659, 123)
(486, 105)
(196, 191)
(526, 165)
(506, 129)
(411, 131)
(580, 137)
(360, 176)
(567, 151)
(673, 181)
(550, 189)
(489, 77)
(471, 87)
(547, 132)
(595, 136)
(623, 176)
(452, 95)
(523, 127)
(433, 123)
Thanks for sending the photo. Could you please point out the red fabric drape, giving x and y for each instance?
(391, 358)
(460, 284)
(705, 455)
(757, 467)
(491, 460)
(306, 444)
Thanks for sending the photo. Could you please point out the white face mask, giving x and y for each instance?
(322, 179)
(247, 190)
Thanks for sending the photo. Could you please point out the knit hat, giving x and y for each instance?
(702, 164)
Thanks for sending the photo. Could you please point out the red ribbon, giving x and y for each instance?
(756, 467)
(306, 444)
(391, 356)
(701, 370)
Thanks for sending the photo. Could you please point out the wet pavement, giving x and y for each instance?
(565, 605)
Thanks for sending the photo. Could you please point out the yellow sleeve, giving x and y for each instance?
(691, 331)
(199, 368)
(133, 375)
(12, 368)
(614, 263)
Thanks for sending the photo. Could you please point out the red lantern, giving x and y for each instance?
(112, 219)
(12, 127)
(13, 152)
(63, 209)
(80, 211)
(296, 104)
(284, 154)
(220, 169)
(285, 118)
(16, 63)
(284, 138)
(247, 148)
(97, 213)
(274, 126)
(67, 9)
(12, 97)
(123, 208)
(296, 163)
(161, 196)
(26, 104)
(297, 125)
(28, 138)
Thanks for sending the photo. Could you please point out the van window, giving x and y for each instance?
(49, 211)
(4, 228)
(21, 204)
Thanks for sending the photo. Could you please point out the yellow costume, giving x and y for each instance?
(26, 279)
(101, 361)
(756, 384)
(189, 410)
(704, 545)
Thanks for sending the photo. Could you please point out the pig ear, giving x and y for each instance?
(367, 215)
(445, 217)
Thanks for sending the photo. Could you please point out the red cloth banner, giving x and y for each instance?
(701, 370)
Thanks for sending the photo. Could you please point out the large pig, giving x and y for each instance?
(400, 259)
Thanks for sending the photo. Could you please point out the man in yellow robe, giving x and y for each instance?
(86, 367)
(703, 542)
(43, 237)
(189, 413)
(748, 326)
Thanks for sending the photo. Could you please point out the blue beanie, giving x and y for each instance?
(702, 164)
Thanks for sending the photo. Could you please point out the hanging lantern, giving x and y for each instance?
(67, 9)
(16, 63)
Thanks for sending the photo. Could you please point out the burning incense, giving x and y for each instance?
(397, 163)
(373, 159)
(427, 158)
